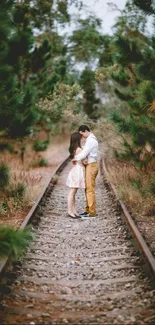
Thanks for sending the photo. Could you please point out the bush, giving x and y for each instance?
(14, 242)
(42, 163)
(40, 145)
(39, 163)
(3, 207)
(18, 191)
(10, 148)
(4, 175)
(136, 183)
(6, 146)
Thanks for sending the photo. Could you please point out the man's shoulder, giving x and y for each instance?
(93, 138)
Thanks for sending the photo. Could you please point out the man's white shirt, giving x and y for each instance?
(90, 150)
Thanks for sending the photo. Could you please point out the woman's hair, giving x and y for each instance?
(74, 143)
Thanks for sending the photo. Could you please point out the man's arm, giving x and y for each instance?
(84, 153)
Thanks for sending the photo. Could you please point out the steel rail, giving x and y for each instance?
(4, 262)
(143, 247)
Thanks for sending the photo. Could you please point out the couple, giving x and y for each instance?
(84, 171)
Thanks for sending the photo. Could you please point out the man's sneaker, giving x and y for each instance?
(87, 216)
(84, 214)
(90, 216)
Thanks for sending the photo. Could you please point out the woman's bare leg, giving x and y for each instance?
(74, 204)
(71, 200)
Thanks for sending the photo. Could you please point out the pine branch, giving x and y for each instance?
(147, 6)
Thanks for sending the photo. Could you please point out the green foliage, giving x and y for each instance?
(147, 6)
(147, 65)
(132, 78)
(6, 146)
(4, 175)
(131, 21)
(48, 13)
(106, 56)
(86, 40)
(123, 94)
(136, 183)
(145, 95)
(28, 68)
(145, 189)
(3, 207)
(90, 102)
(126, 51)
(10, 148)
(121, 76)
(65, 98)
(18, 95)
(123, 125)
(14, 242)
(40, 145)
(32, 66)
(42, 163)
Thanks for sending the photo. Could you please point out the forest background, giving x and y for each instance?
(52, 81)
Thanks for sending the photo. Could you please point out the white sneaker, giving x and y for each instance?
(88, 216)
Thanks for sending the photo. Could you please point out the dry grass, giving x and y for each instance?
(124, 175)
(34, 178)
(139, 200)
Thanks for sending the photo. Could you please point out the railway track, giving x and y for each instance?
(78, 271)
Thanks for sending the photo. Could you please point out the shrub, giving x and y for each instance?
(42, 162)
(4, 175)
(3, 207)
(14, 242)
(6, 146)
(18, 191)
(136, 183)
(40, 145)
(10, 148)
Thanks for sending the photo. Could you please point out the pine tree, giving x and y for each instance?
(147, 6)
(18, 92)
(91, 102)
(86, 43)
(30, 66)
(48, 12)
(132, 75)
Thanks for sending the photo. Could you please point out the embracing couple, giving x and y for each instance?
(84, 171)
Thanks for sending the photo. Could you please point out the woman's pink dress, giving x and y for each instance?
(76, 176)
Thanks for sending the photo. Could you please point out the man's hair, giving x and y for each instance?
(83, 128)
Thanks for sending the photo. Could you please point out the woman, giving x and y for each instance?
(76, 176)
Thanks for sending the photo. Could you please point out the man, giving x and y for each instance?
(90, 151)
